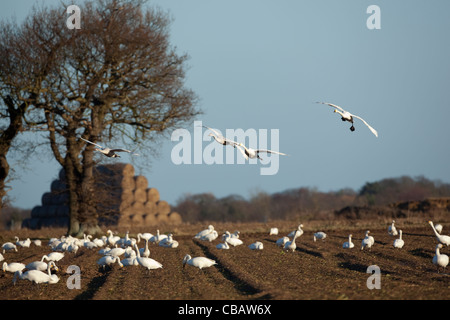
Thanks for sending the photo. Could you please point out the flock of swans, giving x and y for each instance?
(125, 251)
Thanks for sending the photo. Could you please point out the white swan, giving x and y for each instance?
(112, 239)
(290, 245)
(367, 242)
(220, 138)
(223, 246)
(37, 276)
(250, 153)
(347, 116)
(282, 241)
(232, 241)
(147, 263)
(107, 151)
(210, 236)
(399, 243)
(204, 232)
(169, 242)
(108, 261)
(9, 246)
(198, 262)
(13, 267)
(273, 231)
(37, 242)
(158, 237)
(440, 260)
(145, 236)
(38, 265)
(258, 245)
(145, 252)
(23, 243)
(319, 235)
(441, 238)
(438, 227)
(299, 231)
(1, 257)
(348, 244)
(54, 256)
(115, 252)
(131, 261)
(392, 230)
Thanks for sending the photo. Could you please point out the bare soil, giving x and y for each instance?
(316, 270)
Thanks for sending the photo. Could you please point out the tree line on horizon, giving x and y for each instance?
(307, 202)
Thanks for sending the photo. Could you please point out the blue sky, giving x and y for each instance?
(260, 64)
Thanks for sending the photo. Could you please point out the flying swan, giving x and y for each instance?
(347, 116)
(107, 151)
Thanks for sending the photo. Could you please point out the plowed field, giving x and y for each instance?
(316, 270)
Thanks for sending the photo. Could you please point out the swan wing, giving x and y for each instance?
(332, 105)
(215, 132)
(270, 151)
(370, 128)
(93, 143)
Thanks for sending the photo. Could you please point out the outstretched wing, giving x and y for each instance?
(228, 141)
(270, 151)
(371, 129)
(93, 143)
(332, 105)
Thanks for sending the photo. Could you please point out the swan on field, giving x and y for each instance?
(23, 243)
(145, 252)
(319, 235)
(258, 245)
(204, 232)
(37, 242)
(440, 260)
(37, 276)
(9, 246)
(367, 242)
(112, 239)
(169, 242)
(299, 231)
(210, 236)
(115, 252)
(158, 237)
(392, 230)
(399, 243)
(250, 153)
(282, 241)
(111, 153)
(145, 236)
(13, 267)
(290, 245)
(147, 263)
(232, 241)
(38, 265)
(438, 228)
(348, 244)
(54, 256)
(198, 262)
(347, 116)
(441, 238)
(223, 246)
(273, 231)
(108, 261)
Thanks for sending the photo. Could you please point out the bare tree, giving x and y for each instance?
(23, 68)
(115, 79)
